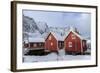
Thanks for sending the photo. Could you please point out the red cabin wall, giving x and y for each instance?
(76, 43)
(48, 46)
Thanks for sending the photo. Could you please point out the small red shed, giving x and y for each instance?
(74, 43)
(52, 42)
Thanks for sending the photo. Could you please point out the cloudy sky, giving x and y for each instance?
(82, 21)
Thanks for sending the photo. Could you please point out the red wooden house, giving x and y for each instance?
(74, 43)
(53, 42)
(34, 46)
(36, 43)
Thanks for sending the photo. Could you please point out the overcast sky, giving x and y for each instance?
(82, 21)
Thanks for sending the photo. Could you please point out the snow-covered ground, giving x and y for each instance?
(55, 57)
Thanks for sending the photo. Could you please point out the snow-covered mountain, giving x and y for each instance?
(32, 28)
(29, 25)
(59, 30)
(42, 27)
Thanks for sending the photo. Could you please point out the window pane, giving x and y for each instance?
(35, 45)
(70, 44)
(51, 44)
(73, 36)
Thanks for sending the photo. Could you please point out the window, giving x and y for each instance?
(40, 44)
(51, 44)
(35, 45)
(69, 44)
(31, 44)
(73, 36)
(83, 44)
(49, 37)
(60, 44)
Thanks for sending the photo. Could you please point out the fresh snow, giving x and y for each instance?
(89, 42)
(57, 36)
(54, 57)
(88, 51)
(36, 39)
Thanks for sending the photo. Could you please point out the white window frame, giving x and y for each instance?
(51, 43)
(73, 36)
(35, 45)
(70, 44)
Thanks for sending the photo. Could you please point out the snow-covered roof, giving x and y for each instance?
(36, 39)
(78, 35)
(57, 36)
(25, 41)
(30, 34)
(71, 30)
